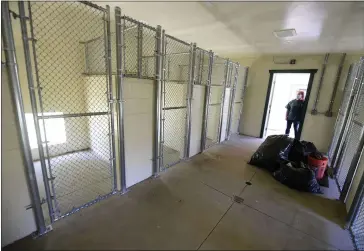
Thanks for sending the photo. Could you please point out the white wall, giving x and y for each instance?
(138, 129)
(197, 109)
(214, 113)
(16, 222)
(317, 129)
(225, 113)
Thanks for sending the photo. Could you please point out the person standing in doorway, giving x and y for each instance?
(294, 113)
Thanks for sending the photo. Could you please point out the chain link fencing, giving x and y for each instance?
(240, 88)
(71, 52)
(350, 91)
(217, 85)
(355, 132)
(174, 100)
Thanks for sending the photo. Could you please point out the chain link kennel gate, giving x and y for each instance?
(344, 114)
(346, 171)
(74, 93)
(215, 102)
(175, 100)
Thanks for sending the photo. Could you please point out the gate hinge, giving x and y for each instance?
(43, 201)
(116, 101)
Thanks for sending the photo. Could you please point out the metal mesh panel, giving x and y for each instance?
(71, 57)
(130, 31)
(174, 111)
(357, 227)
(218, 71)
(201, 67)
(343, 111)
(148, 58)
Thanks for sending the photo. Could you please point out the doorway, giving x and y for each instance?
(284, 86)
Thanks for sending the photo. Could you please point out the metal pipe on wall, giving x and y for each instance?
(314, 108)
(336, 84)
(119, 31)
(13, 72)
(207, 102)
(33, 101)
(157, 98)
(191, 79)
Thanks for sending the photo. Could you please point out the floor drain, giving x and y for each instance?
(238, 199)
(248, 183)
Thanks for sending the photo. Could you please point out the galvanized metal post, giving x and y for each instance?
(39, 91)
(314, 108)
(157, 99)
(119, 32)
(191, 80)
(245, 84)
(222, 100)
(207, 102)
(33, 101)
(13, 72)
(140, 49)
(336, 84)
(110, 96)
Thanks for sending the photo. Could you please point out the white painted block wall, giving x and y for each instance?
(197, 108)
(17, 222)
(138, 129)
(225, 114)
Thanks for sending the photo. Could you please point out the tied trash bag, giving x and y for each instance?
(294, 152)
(309, 147)
(297, 176)
(267, 155)
(298, 151)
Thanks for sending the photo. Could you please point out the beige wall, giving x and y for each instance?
(317, 129)
(197, 109)
(17, 222)
(138, 129)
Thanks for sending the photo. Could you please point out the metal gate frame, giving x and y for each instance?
(355, 111)
(17, 99)
(358, 111)
(114, 102)
(164, 107)
(235, 73)
(54, 210)
(341, 126)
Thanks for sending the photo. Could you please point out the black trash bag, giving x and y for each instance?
(294, 152)
(267, 155)
(297, 176)
(309, 147)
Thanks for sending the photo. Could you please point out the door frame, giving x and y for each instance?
(269, 90)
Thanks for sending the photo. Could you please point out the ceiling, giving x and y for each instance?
(234, 28)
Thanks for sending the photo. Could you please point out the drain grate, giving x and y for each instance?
(238, 199)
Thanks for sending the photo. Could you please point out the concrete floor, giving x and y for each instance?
(191, 206)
